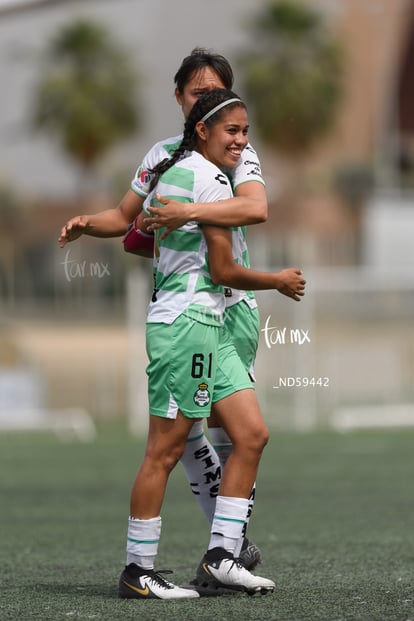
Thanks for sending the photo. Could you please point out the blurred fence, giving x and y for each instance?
(342, 357)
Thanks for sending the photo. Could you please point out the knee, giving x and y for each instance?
(262, 438)
(254, 440)
(171, 459)
(166, 460)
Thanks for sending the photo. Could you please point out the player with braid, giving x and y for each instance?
(192, 359)
(242, 315)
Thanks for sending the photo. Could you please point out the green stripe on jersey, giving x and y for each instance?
(171, 282)
(204, 283)
(170, 147)
(184, 240)
(179, 177)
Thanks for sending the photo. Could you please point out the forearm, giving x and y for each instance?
(225, 271)
(239, 277)
(109, 223)
(289, 281)
(236, 211)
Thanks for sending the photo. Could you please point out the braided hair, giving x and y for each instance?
(202, 108)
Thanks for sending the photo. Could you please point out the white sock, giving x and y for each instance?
(142, 541)
(229, 519)
(202, 469)
(223, 446)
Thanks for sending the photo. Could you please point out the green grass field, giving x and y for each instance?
(334, 517)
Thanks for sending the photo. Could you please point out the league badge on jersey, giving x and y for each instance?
(144, 176)
(202, 395)
(142, 180)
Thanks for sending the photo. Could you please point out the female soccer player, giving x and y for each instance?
(200, 72)
(192, 360)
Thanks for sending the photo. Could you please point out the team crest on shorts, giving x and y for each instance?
(202, 395)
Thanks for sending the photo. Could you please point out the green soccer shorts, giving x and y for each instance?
(182, 367)
(231, 375)
(243, 325)
(191, 364)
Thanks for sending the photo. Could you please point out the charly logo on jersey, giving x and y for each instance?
(202, 395)
(221, 179)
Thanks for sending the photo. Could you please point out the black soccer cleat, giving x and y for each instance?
(219, 567)
(250, 555)
(138, 583)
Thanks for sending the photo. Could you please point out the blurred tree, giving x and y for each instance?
(86, 96)
(292, 78)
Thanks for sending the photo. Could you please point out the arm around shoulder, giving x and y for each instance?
(248, 206)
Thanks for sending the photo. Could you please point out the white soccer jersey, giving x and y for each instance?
(247, 169)
(182, 281)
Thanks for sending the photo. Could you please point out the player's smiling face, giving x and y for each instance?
(223, 142)
(202, 81)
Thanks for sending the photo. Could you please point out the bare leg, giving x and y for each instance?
(165, 445)
(240, 416)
